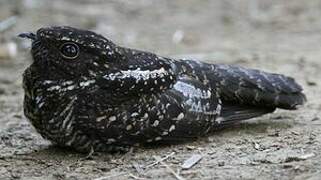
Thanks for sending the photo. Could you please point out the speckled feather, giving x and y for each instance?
(109, 98)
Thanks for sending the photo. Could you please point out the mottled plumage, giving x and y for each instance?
(86, 92)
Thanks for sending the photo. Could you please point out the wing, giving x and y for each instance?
(138, 73)
(186, 111)
(202, 111)
(193, 109)
(248, 86)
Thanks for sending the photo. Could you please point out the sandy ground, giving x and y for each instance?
(273, 35)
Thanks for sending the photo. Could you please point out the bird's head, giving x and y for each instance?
(71, 52)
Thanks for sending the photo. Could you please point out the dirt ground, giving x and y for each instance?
(273, 35)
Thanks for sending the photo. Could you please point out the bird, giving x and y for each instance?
(87, 93)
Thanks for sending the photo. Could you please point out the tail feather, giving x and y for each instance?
(234, 113)
(253, 87)
(290, 101)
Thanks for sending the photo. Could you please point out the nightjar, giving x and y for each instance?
(85, 92)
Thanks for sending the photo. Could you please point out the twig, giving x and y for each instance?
(177, 176)
(120, 174)
(135, 177)
(7, 23)
(158, 161)
(138, 168)
(112, 176)
(90, 154)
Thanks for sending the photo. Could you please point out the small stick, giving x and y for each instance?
(135, 177)
(90, 154)
(158, 161)
(112, 176)
(138, 168)
(7, 23)
(177, 176)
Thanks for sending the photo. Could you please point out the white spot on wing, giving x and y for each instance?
(156, 123)
(112, 118)
(172, 128)
(190, 91)
(86, 83)
(129, 127)
(137, 74)
(179, 117)
(53, 88)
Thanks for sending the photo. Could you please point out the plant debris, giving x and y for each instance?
(190, 162)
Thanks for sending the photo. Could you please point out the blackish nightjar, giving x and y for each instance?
(85, 92)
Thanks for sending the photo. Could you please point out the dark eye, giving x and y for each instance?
(69, 50)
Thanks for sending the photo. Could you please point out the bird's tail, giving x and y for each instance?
(253, 87)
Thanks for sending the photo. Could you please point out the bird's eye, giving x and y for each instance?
(69, 50)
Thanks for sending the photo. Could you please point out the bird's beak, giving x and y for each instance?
(28, 35)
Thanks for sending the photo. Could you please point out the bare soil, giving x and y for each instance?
(273, 35)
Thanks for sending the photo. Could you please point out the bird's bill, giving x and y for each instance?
(28, 35)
